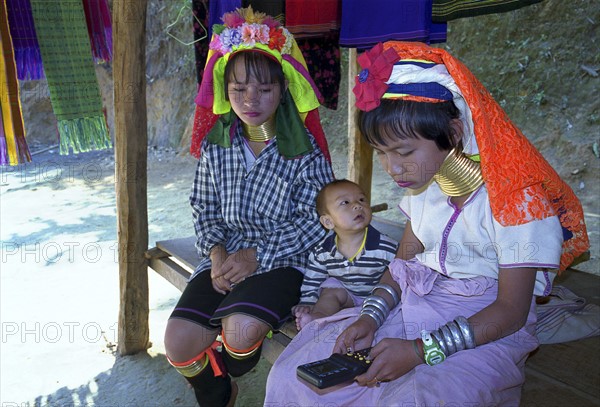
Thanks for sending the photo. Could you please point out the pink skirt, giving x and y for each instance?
(491, 374)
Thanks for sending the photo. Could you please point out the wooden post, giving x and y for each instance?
(360, 154)
(131, 145)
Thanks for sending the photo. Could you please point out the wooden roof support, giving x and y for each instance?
(131, 145)
(360, 154)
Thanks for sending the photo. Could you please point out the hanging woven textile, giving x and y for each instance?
(365, 23)
(446, 10)
(24, 39)
(317, 31)
(74, 92)
(13, 147)
(97, 15)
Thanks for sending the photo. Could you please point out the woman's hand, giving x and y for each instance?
(218, 255)
(239, 265)
(357, 336)
(391, 358)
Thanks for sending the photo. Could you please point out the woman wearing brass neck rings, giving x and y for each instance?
(263, 161)
(489, 225)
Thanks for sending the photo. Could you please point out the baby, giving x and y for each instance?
(345, 267)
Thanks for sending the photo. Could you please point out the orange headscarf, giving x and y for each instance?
(522, 186)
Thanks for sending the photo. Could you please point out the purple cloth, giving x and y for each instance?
(24, 39)
(490, 374)
(365, 23)
(216, 9)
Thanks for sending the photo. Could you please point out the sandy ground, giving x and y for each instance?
(59, 292)
(60, 288)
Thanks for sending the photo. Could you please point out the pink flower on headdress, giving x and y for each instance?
(263, 34)
(250, 34)
(215, 43)
(233, 19)
(271, 22)
(370, 83)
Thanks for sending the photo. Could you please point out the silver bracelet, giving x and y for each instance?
(381, 314)
(447, 337)
(467, 332)
(457, 337)
(378, 302)
(377, 308)
(373, 314)
(390, 290)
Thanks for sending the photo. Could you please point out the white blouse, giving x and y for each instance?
(469, 242)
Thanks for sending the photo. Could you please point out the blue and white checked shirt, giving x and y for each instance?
(271, 206)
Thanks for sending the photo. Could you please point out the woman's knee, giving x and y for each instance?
(243, 331)
(185, 339)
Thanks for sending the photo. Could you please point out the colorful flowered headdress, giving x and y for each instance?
(515, 173)
(245, 29)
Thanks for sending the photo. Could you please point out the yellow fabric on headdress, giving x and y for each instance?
(301, 90)
(515, 173)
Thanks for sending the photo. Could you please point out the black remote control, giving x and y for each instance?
(336, 369)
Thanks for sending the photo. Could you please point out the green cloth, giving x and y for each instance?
(74, 93)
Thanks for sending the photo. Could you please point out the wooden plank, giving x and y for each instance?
(131, 144)
(360, 154)
(183, 249)
(388, 227)
(171, 271)
(273, 347)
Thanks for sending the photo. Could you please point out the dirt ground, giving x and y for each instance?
(59, 292)
(60, 289)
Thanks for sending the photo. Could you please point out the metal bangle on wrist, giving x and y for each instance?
(453, 337)
(377, 308)
(390, 290)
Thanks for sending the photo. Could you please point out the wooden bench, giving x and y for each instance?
(176, 259)
(565, 374)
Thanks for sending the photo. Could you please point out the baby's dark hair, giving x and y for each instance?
(321, 196)
(265, 68)
(409, 119)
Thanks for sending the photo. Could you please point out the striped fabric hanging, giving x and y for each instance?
(69, 66)
(13, 147)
